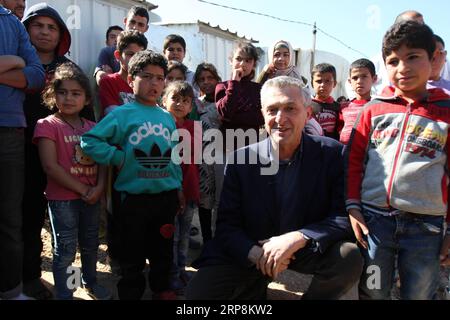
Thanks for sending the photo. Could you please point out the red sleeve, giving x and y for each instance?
(44, 129)
(108, 94)
(358, 148)
(448, 169)
(226, 95)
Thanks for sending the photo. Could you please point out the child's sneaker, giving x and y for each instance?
(164, 295)
(97, 292)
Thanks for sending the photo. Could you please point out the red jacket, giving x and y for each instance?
(398, 155)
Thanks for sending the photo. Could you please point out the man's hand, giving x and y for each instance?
(444, 256)
(278, 252)
(359, 226)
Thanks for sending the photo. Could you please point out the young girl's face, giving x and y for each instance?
(175, 75)
(179, 106)
(281, 58)
(207, 82)
(70, 97)
(242, 61)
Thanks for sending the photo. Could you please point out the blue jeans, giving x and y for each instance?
(73, 222)
(415, 240)
(12, 172)
(181, 238)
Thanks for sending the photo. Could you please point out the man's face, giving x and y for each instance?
(285, 115)
(16, 6)
(175, 51)
(112, 38)
(44, 34)
(408, 70)
(138, 23)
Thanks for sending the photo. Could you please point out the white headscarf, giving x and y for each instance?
(291, 70)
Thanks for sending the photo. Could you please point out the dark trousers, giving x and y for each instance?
(335, 272)
(12, 156)
(34, 207)
(147, 225)
(205, 216)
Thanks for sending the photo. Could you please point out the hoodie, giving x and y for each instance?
(44, 10)
(34, 108)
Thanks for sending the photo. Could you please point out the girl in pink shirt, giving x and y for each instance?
(74, 182)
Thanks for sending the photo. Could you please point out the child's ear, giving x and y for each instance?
(335, 83)
(349, 80)
(117, 55)
(375, 78)
(130, 81)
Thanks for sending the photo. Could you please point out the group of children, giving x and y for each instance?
(394, 143)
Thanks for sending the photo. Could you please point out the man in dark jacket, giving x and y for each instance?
(51, 38)
(293, 218)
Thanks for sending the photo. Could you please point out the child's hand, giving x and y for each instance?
(444, 256)
(237, 74)
(181, 202)
(93, 195)
(359, 226)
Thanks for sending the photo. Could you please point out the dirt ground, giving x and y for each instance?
(289, 285)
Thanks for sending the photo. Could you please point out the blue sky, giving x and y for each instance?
(360, 24)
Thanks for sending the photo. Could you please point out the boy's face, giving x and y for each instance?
(112, 38)
(175, 52)
(127, 54)
(175, 75)
(179, 106)
(44, 34)
(323, 84)
(148, 84)
(361, 81)
(134, 22)
(408, 70)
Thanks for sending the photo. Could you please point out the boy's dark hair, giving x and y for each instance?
(205, 66)
(409, 33)
(324, 68)
(174, 38)
(182, 88)
(144, 58)
(173, 64)
(439, 39)
(363, 63)
(138, 11)
(66, 71)
(111, 28)
(126, 38)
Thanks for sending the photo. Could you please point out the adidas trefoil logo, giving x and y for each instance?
(154, 160)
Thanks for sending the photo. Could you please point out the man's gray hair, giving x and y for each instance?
(283, 82)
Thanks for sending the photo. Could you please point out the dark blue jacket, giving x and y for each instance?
(248, 213)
